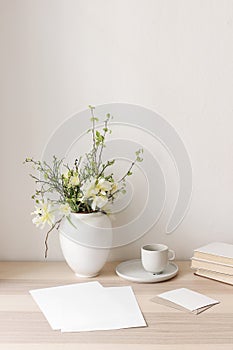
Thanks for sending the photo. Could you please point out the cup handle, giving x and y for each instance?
(173, 255)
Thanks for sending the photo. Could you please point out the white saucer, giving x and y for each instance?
(132, 270)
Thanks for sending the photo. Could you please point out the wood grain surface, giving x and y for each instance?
(23, 326)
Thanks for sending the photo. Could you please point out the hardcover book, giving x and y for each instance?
(212, 266)
(216, 252)
(217, 276)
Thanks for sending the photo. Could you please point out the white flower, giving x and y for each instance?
(89, 189)
(74, 180)
(97, 191)
(96, 186)
(104, 186)
(65, 209)
(43, 214)
(98, 202)
(66, 174)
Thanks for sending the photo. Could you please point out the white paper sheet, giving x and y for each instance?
(50, 300)
(188, 299)
(89, 306)
(107, 308)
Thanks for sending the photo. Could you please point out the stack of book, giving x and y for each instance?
(215, 261)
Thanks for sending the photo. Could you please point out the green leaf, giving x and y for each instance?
(70, 221)
(111, 162)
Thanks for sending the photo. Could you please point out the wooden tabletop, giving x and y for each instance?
(23, 326)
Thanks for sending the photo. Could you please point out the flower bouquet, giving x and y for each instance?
(87, 186)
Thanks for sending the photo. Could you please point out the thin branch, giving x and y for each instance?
(56, 225)
(102, 144)
(106, 165)
(127, 173)
(93, 133)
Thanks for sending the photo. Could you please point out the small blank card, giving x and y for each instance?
(185, 299)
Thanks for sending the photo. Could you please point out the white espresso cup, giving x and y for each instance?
(155, 257)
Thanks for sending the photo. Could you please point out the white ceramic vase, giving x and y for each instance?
(86, 242)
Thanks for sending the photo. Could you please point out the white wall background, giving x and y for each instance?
(175, 57)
